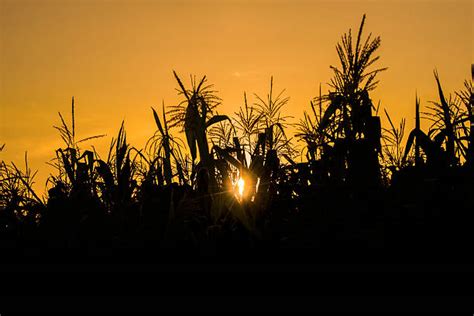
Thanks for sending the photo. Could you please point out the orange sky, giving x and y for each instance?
(117, 57)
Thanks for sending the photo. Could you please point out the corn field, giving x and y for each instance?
(207, 179)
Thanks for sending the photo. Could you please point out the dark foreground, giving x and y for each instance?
(408, 248)
(427, 221)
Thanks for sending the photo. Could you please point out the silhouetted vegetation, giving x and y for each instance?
(235, 181)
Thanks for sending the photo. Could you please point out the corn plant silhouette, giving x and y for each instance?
(393, 148)
(445, 142)
(74, 168)
(165, 148)
(345, 129)
(196, 114)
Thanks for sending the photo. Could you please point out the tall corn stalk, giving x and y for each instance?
(165, 147)
(348, 116)
(75, 170)
(273, 123)
(195, 114)
(248, 123)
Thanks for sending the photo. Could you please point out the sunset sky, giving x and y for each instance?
(117, 57)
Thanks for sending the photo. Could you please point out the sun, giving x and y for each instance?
(240, 187)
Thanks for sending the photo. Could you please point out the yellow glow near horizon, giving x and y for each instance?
(117, 57)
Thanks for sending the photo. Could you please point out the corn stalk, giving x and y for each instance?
(348, 116)
(195, 114)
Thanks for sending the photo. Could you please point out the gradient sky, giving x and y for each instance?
(117, 57)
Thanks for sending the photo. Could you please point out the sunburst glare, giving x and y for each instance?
(240, 187)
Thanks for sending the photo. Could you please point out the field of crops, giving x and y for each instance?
(231, 184)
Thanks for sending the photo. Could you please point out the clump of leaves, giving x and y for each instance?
(393, 148)
(446, 141)
(222, 134)
(117, 181)
(446, 129)
(18, 201)
(74, 170)
(248, 123)
(466, 96)
(310, 131)
(164, 149)
(273, 123)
